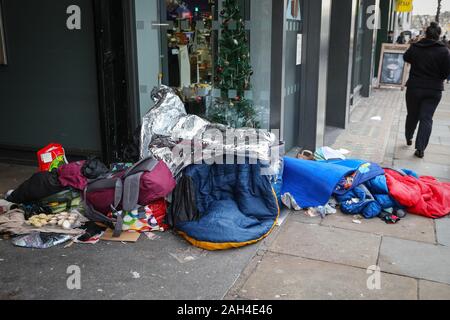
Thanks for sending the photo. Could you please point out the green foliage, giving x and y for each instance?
(234, 70)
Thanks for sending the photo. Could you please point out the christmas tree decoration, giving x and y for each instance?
(234, 71)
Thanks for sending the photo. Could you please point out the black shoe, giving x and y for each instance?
(419, 154)
(401, 213)
(409, 142)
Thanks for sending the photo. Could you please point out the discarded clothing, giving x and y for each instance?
(236, 206)
(40, 185)
(93, 168)
(363, 171)
(70, 175)
(424, 196)
(369, 199)
(144, 219)
(92, 233)
(359, 201)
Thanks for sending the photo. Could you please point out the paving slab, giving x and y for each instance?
(443, 231)
(433, 291)
(424, 168)
(415, 259)
(439, 149)
(293, 278)
(327, 244)
(300, 216)
(406, 153)
(412, 227)
(11, 176)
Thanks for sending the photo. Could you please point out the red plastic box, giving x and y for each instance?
(51, 157)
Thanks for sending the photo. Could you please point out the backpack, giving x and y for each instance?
(147, 181)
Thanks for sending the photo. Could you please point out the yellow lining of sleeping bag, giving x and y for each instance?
(211, 246)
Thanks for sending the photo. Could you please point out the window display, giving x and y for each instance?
(216, 53)
(190, 52)
(233, 73)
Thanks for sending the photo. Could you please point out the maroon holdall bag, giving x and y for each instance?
(145, 182)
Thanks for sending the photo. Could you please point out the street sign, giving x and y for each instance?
(404, 6)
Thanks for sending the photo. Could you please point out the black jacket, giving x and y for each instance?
(430, 64)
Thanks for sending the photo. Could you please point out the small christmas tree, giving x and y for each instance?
(233, 71)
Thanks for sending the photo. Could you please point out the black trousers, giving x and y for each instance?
(421, 105)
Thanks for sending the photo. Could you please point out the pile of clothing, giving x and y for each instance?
(78, 201)
(363, 188)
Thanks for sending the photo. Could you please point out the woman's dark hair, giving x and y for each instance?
(434, 31)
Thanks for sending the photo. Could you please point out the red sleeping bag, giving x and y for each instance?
(425, 196)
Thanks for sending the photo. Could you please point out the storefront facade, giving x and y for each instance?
(299, 67)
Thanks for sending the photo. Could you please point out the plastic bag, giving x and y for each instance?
(39, 240)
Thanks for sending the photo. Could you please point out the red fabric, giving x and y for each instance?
(70, 175)
(159, 210)
(425, 196)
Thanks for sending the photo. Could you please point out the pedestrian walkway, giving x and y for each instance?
(334, 258)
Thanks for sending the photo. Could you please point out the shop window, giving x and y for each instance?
(217, 54)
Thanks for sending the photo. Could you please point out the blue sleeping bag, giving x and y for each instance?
(312, 183)
(234, 205)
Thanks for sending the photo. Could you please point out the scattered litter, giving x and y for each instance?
(152, 236)
(326, 210)
(311, 212)
(357, 221)
(344, 151)
(377, 118)
(282, 218)
(100, 290)
(277, 296)
(39, 240)
(1, 260)
(288, 200)
(124, 237)
(330, 294)
(327, 153)
(69, 244)
(188, 255)
(135, 274)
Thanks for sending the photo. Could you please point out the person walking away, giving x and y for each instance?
(448, 46)
(390, 37)
(430, 67)
(401, 39)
